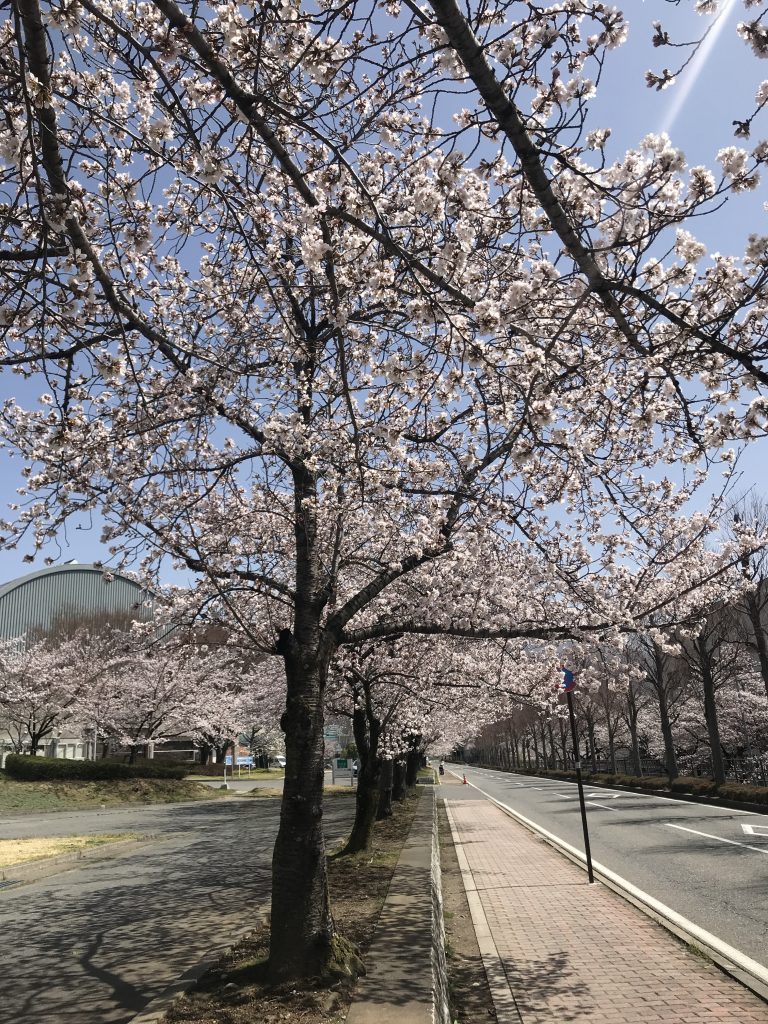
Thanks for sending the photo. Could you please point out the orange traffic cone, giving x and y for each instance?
(465, 783)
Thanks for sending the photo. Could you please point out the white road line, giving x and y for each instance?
(755, 830)
(594, 803)
(628, 792)
(720, 839)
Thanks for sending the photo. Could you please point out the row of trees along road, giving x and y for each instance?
(333, 305)
(691, 696)
(131, 687)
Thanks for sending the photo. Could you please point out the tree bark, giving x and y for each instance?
(760, 638)
(592, 742)
(366, 730)
(398, 782)
(710, 714)
(552, 744)
(411, 767)
(563, 741)
(385, 791)
(301, 924)
(670, 754)
(632, 713)
(543, 738)
(302, 932)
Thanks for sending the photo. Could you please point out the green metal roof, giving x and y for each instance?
(67, 593)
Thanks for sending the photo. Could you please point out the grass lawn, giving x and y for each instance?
(36, 797)
(20, 851)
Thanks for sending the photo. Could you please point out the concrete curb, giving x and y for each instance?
(407, 981)
(739, 966)
(441, 1007)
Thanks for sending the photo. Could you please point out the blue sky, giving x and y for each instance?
(698, 111)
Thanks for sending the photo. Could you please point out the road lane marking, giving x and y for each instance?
(644, 793)
(707, 835)
(755, 830)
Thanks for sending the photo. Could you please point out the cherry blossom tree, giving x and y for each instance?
(667, 681)
(49, 682)
(338, 306)
(34, 698)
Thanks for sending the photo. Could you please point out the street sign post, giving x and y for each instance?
(342, 768)
(569, 685)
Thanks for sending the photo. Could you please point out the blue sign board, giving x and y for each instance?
(244, 760)
(228, 759)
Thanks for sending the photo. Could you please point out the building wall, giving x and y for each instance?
(36, 603)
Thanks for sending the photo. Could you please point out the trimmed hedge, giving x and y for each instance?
(693, 786)
(51, 769)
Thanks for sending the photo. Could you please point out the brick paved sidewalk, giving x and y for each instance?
(571, 951)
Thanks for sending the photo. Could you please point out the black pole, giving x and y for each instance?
(581, 786)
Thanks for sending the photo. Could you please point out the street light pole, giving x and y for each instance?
(580, 785)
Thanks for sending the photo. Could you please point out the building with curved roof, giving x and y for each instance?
(64, 596)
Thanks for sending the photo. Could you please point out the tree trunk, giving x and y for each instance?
(301, 925)
(563, 741)
(552, 745)
(303, 942)
(612, 747)
(35, 737)
(592, 742)
(637, 769)
(366, 731)
(710, 714)
(543, 738)
(385, 791)
(761, 640)
(398, 782)
(670, 754)
(411, 768)
(632, 712)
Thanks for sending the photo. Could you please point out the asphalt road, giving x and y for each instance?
(96, 944)
(710, 864)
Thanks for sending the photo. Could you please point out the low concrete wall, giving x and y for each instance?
(407, 981)
(441, 1013)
